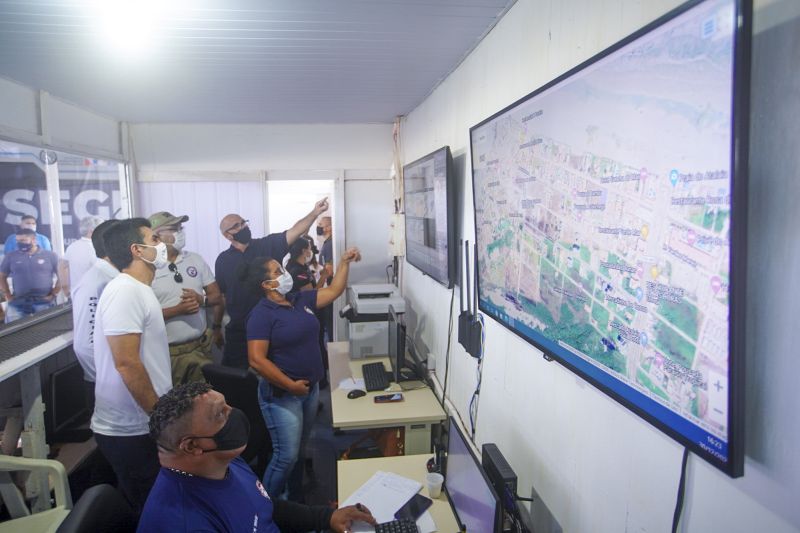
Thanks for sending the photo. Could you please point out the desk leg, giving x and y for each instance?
(33, 436)
(418, 439)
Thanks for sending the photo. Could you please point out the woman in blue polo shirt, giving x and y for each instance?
(283, 347)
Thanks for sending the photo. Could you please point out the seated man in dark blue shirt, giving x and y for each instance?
(205, 486)
(32, 271)
(239, 299)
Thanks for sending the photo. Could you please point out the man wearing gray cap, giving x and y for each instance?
(184, 288)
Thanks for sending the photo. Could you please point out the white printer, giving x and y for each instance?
(368, 316)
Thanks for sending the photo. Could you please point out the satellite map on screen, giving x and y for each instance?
(425, 198)
(603, 216)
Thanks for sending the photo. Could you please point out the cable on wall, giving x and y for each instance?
(676, 516)
(473, 403)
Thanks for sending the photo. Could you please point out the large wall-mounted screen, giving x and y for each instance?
(427, 194)
(609, 212)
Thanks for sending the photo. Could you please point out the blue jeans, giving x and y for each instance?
(26, 306)
(289, 419)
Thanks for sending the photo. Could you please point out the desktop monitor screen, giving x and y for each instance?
(474, 500)
(397, 344)
(429, 213)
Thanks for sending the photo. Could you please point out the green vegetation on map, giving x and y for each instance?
(647, 383)
(626, 284)
(504, 242)
(585, 338)
(586, 255)
(711, 219)
(683, 315)
(673, 345)
(600, 314)
(695, 406)
(550, 246)
(537, 311)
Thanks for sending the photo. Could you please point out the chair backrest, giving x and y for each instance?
(240, 388)
(101, 509)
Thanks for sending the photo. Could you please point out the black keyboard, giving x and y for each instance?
(374, 376)
(405, 525)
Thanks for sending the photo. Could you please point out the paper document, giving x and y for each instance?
(383, 494)
(351, 383)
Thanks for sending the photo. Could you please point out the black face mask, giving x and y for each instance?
(320, 231)
(244, 236)
(233, 434)
(24, 247)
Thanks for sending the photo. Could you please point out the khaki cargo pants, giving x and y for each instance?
(189, 358)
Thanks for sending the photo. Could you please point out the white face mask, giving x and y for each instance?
(180, 240)
(160, 260)
(285, 283)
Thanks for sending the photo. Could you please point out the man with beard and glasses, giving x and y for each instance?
(239, 299)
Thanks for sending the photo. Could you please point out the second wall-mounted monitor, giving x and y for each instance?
(429, 213)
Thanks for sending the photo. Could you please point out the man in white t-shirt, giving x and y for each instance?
(85, 295)
(80, 254)
(131, 356)
(184, 289)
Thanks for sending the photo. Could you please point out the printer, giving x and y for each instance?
(367, 314)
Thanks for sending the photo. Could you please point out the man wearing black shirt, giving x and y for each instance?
(239, 299)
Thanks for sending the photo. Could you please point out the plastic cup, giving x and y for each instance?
(434, 482)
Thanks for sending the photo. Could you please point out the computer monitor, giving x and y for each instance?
(474, 501)
(66, 405)
(397, 344)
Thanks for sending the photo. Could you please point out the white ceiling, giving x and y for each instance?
(248, 61)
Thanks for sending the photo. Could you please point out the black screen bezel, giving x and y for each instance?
(451, 232)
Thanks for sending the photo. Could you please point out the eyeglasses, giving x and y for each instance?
(237, 226)
(176, 275)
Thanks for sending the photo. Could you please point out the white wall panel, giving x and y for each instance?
(19, 108)
(205, 203)
(70, 125)
(368, 206)
(268, 147)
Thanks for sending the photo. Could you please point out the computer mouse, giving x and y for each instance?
(356, 393)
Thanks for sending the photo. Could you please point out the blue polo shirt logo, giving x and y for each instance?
(40, 261)
(262, 490)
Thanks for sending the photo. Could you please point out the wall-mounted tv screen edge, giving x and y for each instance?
(429, 206)
(610, 215)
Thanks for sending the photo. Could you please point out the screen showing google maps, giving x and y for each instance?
(603, 210)
(425, 193)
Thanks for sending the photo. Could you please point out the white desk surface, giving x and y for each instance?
(355, 472)
(419, 405)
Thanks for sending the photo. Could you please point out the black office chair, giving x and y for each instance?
(101, 509)
(240, 388)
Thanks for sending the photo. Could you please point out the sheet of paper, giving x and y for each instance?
(383, 494)
(351, 383)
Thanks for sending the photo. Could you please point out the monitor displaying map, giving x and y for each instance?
(427, 186)
(609, 207)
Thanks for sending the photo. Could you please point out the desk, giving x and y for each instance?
(355, 472)
(33, 437)
(417, 412)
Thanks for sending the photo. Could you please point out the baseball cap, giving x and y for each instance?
(165, 218)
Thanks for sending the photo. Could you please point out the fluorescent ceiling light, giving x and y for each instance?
(129, 27)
